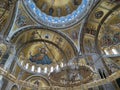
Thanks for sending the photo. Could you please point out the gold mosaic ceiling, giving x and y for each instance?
(4, 12)
(103, 26)
(31, 42)
(71, 75)
(39, 81)
(54, 46)
(58, 7)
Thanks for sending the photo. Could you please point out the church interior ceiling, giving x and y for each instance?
(4, 12)
(58, 7)
(53, 14)
(103, 26)
(49, 38)
(54, 46)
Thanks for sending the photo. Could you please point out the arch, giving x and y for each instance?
(14, 87)
(35, 79)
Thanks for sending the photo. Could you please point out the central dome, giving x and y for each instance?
(57, 8)
(58, 13)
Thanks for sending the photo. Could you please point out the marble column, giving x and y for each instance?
(8, 63)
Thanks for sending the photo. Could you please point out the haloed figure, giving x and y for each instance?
(37, 82)
(41, 57)
(51, 10)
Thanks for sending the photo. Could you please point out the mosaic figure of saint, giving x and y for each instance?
(41, 57)
(21, 20)
(35, 35)
(74, 34)
(75, 2)
(37, 82)
(22, 56)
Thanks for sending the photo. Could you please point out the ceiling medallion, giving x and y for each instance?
(53, 20)
(99, 14)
